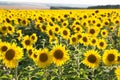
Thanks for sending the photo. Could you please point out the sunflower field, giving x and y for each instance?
(60, 44)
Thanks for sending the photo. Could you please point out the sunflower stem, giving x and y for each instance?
(46, 73)
(60, 72)
(78, 64)
(16, 73)
(93, 75)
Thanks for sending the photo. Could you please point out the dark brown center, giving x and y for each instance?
(10, 54)
(43, 57)
(58, 54)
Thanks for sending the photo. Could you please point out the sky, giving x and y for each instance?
(91, 2)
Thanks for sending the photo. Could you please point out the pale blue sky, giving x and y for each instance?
(92, 2)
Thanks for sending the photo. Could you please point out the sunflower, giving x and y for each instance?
(79, 36)
(53, 40)
(92, 59)
(11, 57)
(44, 58)
(112, 28)
(101, 44)
(85, 24)
(43, 28)
(37, 25)
(19, 33)
(33, 38)
(116, 21)
(104, 33)
(50, 31)
(26, 42)
(106, 23)
(4, 46)
(77, 29)
(85, 40)
(65, 33)
(99, 25)
(11, 29)
(4, 29)
(57, 29)
(93, 31)
(73, 39)
(117, 72)
(118, 58)
(31, 51)
(93, 41)
(59, 54)
(65, 23)
(24, 22)
(110, 57)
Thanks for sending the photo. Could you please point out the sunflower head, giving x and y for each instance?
(93, 41)
(104, 33)
(4, 46)
(73, 39)
(110, 57)
(60, 55)
(33, 38)
(26, 42)
(92, 59)
(65, 33)
(101, 44)
(93, 31)
(12, 56)
(44, 58)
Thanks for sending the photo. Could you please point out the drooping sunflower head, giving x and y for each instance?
(44, 58)
(110, 57)
(59, 54)
(92, 59)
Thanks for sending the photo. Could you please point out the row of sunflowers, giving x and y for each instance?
(60, 44)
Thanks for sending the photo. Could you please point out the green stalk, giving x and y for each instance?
(60, 72)
(16, 73)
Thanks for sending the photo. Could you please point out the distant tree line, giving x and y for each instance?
(90, 7)
(105, 7)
